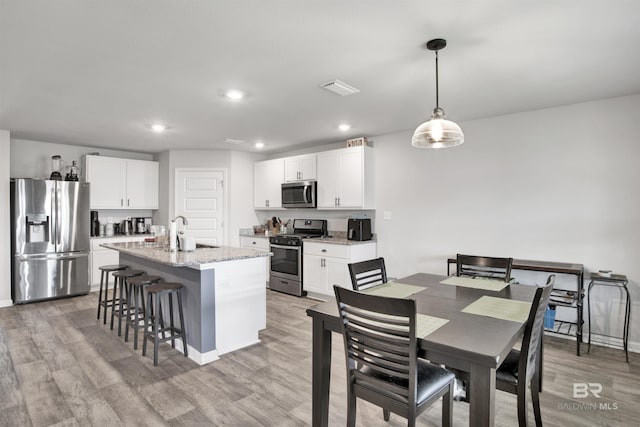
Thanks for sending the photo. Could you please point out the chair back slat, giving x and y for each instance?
(484, 267)
(366, 274)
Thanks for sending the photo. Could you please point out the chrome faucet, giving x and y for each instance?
(184, 220)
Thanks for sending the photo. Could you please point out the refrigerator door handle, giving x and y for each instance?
(59, 255)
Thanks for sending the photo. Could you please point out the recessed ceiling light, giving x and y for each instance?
(158, 127)
(259, 144)
(234, 94)
(344, 127)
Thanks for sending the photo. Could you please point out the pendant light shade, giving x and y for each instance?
(437, 132)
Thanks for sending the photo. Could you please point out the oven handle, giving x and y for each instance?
(297, 248)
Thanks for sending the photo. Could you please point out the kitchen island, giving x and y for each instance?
(224, 293)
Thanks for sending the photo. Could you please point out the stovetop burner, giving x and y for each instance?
(302, 229)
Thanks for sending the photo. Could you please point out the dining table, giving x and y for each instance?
(465, 339)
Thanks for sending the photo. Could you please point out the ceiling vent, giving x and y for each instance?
(339, 88)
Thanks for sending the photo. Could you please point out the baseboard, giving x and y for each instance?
(6, 303)
(195, 355)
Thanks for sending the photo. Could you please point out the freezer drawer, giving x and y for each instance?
(42, 276)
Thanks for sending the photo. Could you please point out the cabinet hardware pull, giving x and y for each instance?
(253, 243)
(121, 202)
(338, 201)
(127, 202)
(324, 250)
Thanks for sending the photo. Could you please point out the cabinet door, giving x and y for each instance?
(350, 179)
(314, 274)
(100, 258)
(337, 273)
(142, 184)
(292, 169)
(308, 167)
(268, 177)
(327, 179)
(107, 177)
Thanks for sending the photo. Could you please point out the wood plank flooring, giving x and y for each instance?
(60, 366)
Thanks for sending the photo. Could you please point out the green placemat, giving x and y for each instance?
(470, 282)
(428, 324)
(499, 308)
(394, 290)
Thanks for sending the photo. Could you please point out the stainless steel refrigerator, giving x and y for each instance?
(49, 239)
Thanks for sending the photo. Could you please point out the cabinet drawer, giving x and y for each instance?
(261, 243)
(327, 250)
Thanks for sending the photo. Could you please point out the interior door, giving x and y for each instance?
(199, 197)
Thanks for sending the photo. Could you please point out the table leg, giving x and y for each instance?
(580, 310)
(625, 331)
(321, 372)
(482, 396)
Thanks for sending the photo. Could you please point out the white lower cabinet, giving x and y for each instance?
(260, 243)
(100, 256)
(325, 264)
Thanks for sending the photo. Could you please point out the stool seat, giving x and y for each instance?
(143, 280)
(153, 330)
(103, 299)
(164, 287)
(128, 273)
(113, 267)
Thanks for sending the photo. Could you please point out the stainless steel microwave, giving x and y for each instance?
(300, 194)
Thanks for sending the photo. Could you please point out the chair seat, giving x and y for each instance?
(508, 371)
(431, 379)
(164, 287)
(128, 273)
(144, 279)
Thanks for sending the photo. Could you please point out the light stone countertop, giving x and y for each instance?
(199, 259)
(337, 238)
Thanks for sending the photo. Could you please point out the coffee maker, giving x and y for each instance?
(95, 224)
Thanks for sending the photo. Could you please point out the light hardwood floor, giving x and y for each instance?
(60, 366)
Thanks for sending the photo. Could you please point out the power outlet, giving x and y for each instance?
(387, 215)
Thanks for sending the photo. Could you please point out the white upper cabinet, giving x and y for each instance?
(345, 179)
(300, 168)
(122, 183)
(142, 184)
(268, 177)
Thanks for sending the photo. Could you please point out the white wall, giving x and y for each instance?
(5, 223)
(558, 184)
(239, 168)
(32, 159)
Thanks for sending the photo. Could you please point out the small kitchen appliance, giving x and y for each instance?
(359, 229)
(302, 194)
(56, 167)
(95, 224)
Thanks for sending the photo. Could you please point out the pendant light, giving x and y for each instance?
(437, 132)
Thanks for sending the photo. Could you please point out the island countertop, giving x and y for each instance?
(200, 259)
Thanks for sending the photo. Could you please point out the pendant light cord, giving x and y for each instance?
(437, 94)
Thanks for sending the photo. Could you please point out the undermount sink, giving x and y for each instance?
(205, 246)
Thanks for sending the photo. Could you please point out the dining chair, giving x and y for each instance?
(381, 358)
(366, 274)
(484, 267)
(523, 368)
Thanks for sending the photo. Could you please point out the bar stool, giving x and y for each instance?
(104, 282)
(135, 306)
(120, 284)
(151, 331)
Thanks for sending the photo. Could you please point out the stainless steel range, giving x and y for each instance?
(286, 262)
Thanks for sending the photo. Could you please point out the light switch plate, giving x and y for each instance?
(387, 215)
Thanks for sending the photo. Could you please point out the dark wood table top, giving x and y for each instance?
(466, 338)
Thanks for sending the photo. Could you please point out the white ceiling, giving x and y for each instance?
(97, 72)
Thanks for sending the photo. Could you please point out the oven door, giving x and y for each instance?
(299, 194)
(286, 262)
